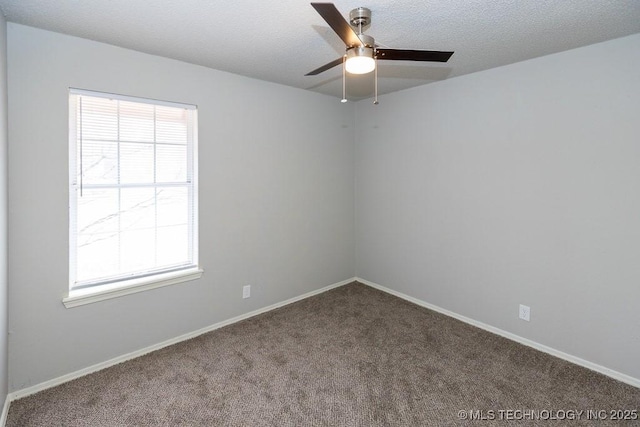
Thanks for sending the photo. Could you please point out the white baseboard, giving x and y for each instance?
(94, 368)
(99, 366)
(552, 351)
(5, 411)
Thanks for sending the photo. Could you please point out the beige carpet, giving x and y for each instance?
(353, 356)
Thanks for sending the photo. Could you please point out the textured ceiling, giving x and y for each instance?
(280, 41)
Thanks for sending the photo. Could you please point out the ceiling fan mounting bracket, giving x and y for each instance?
(360, 17)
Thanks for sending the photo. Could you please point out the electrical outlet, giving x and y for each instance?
(246, 291)
(525, 312)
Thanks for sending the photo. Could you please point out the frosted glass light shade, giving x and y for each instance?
(360, 60)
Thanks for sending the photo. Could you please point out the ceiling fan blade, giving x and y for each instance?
(413, 55)
(335, 20)
(325, 67)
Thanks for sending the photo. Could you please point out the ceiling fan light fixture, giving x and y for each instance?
(360, 60)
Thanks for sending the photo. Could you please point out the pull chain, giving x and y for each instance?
(375, 82)
(344, 79)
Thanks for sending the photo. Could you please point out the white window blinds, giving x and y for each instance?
(133, 193)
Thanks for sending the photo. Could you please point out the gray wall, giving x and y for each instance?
(3, 210)
(276, 200)
(514, 185)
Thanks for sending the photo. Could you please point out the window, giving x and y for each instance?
(133, 193)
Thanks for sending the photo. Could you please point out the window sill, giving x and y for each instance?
(115, 290)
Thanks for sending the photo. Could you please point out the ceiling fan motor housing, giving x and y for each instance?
(366, 40)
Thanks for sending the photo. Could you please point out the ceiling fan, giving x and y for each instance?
(361, 50)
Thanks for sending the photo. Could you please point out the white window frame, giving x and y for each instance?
(118, 286)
